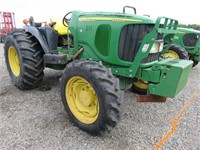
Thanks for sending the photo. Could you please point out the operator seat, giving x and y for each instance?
(57, 24)
(63, 32)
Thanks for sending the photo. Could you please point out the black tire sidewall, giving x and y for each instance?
(10, 41)
(138, 90)
(195, 63)
(182, 53)
(99, 92)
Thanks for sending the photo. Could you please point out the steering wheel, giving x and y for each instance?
(66, 19)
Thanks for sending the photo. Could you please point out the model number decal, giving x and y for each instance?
(88, 28)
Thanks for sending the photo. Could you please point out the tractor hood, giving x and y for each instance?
(114, 16)
(187, 30)
(189, 38)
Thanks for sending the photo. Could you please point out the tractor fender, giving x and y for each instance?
(35, 32)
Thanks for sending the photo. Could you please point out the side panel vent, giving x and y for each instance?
(102, 39)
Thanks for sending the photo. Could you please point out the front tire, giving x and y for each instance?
(139, 87)
(24, 59)
(91, 96)
(176, 52)
(195, 63)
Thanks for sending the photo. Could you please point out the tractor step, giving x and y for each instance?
(57, 59)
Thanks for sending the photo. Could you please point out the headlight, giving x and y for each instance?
(157, 47)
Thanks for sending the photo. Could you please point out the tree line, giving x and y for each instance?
(194, 26)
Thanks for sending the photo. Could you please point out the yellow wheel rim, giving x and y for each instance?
(140, 84)
(14, 61)
(82, 100)
(171, 54)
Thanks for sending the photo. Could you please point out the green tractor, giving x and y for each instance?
(102, 54)
(186, 45)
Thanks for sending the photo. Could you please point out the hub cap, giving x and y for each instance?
(14, 61)
(82, 100)
(140, 84)
(171, 54)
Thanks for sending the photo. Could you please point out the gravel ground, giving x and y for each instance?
(36, 119)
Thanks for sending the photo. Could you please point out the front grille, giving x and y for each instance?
(150, 58)
(130, 39)
(190, 40)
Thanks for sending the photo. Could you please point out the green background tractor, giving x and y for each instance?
(186, 45)
(101, 54)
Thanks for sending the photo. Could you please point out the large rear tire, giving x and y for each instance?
(24, 59)
(91, 96)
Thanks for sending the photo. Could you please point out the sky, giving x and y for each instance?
(186, 12)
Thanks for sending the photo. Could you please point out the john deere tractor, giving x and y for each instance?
(186, 45)
(102, 54)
